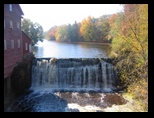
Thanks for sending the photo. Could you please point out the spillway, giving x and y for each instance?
(74, 74)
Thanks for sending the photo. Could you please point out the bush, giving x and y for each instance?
(139, 90)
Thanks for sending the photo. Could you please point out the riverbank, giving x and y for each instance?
(100, 43)
(131, 105)
(82, 42)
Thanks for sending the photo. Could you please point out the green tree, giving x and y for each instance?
(33, 30)
(69, 32)
(102, 28)
(74, 32)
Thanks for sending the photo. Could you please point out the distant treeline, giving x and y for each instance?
(90, 29)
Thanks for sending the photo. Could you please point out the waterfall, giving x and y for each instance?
(88, 74)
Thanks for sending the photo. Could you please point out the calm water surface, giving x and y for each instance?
(55, 49)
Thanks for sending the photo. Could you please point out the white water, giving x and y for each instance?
(73, 75)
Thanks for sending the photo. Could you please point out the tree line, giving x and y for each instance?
(90, 29)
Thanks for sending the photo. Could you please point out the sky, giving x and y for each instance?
(49, 15)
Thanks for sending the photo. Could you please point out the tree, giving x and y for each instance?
(130, 41)
(33, 30)
(69, 32)
(102, 28)
(62, 33)
(95, 29)
(87, 29)
(73, 32)
(50, 35)
(129, 30)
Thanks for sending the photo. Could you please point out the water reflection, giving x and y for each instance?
(47, 49)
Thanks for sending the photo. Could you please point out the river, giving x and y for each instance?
(47, 49)
(44, 99)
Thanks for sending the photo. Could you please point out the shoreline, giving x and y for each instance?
(81, 42)
(101, 43)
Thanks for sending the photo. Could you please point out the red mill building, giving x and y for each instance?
(16, 42)
(17, 59)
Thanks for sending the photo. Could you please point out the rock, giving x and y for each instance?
(53, 60)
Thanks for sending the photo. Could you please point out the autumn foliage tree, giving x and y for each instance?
(87, 29)
(129, 30)
(51, 33)
(95, 29)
